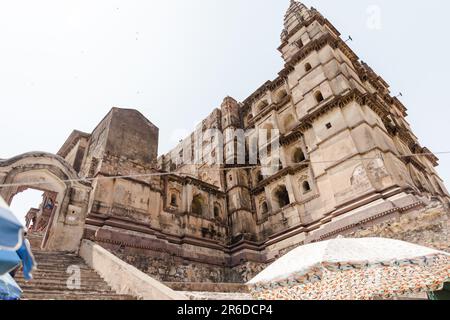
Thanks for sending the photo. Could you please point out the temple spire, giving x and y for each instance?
(295, 14)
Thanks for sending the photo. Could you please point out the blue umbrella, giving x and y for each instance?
(9, 260)
(13, 249)
(11, 230)
(9, 290)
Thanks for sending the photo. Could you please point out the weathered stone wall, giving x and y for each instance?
(169, 268)
(429, 227)
(249, 270)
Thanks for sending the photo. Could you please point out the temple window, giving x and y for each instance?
(282, 197)
(264, 208)
(197, 205)
(306, 187)
(319, 97)
(173, 200)
(216, 211)
(259, 176)
(299, 156)
(308, 67)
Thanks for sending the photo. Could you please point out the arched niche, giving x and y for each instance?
(198, 205)
(280, 197)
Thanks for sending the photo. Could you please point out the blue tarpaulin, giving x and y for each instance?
(8, 261)
(13, 249)
(9, 290)
(11, 230)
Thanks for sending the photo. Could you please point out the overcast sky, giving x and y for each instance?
(64, 64)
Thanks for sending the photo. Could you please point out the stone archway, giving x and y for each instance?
(52, 174)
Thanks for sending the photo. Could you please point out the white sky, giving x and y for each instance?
(64, 64)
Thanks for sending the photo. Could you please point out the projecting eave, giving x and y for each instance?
(71, 141)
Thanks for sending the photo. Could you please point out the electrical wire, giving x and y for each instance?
(185, 174)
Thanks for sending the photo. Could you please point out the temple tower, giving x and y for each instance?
(351, 124)
(241, 220)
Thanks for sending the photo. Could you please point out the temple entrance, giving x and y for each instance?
(34, 208)
(24, 204)
(61, 214)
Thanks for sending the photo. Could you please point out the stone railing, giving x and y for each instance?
(124, 278)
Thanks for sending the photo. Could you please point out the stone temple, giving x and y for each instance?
(347, 163)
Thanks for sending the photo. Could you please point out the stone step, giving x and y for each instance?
(93, 277)
(41, 261)
(74, 298)
(50, 278)
(227, 296)
(61, 255)
(63, 272)
(64, 262)
(56, 257)
(63, 287)
(68, 295)
(51, 281)
(60, 268)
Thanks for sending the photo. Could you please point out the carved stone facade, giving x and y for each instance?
(347, 162)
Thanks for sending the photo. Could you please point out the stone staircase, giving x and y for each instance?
(53, 280)
(56, 278)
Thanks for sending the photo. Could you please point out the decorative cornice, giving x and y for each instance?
(318, 44)
(365, 73)
(71, 142)
(267, 86)
(371, 100)
(196, 182)
(433, 159)
(291, 137)
(268, 109)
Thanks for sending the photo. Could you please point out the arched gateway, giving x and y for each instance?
(63, 220)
